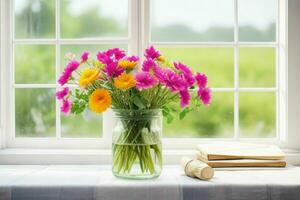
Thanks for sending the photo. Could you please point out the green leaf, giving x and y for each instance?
(170, 118)
(165, 111)
(183, 113)
(139, 102)
(78, 106)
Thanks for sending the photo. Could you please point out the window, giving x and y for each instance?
(235, 42)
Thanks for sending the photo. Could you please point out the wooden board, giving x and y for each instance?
(229, 151)
(242, 163)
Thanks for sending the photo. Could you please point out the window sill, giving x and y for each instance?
(63, 156)
(97, 182)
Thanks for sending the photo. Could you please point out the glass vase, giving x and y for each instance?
(136, 144)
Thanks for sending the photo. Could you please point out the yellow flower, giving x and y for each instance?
(88, 76)
(161, 59)
(125, 81)
(126, 64)
(99, 100)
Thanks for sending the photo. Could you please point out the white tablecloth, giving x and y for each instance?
(86, 182)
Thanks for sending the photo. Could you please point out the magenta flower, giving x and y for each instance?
(183, 68)
(66, 106)
(159, 73)
(113, 70)
(133, 58)
(64, 78)
(187, 74)
(172, 80)
(190, 80)
(201, 80)
(149, 65)
(104, 58)
(111, 55)
(66, 75)
(152, 53)
(144, 80)
(62, 93)
(115, 53)
(72, 66)
(204, 95)
(84, 56)
(185, 98)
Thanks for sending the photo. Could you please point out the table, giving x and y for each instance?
(95, 182)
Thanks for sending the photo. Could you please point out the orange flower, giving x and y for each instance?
(125, 81)
(88, 76)
(99, 100)
(126, 64)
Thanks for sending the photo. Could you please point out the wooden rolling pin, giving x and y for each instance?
(195, 168)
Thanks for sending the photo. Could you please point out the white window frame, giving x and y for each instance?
(139, 38)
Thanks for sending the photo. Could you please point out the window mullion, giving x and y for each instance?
(7, 72)
(133, 26)
(282, 72)
(236, 72)
(145, 39)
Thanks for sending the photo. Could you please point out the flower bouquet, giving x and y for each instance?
(139, 92)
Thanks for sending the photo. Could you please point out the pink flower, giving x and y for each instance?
(172, 80)
(204, 95)
(152, 53)
(62, 93)
(115, 53)
(201, 80)
(149, 65)
(183, 68)
(72, 66)
(144, 80)
(159, 73)
(84, 56)
(104, 58)
(187, 74)
(66, 106)
(65, 76)
(111, 55)
(132, 58)
(113, 70)
(190, 80)
(185, 98)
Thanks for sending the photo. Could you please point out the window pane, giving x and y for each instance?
(194, 20)
(257, 67)
(87, 124)
(34, 18)
(257, 20)
(94, 18)
(35, 64)
(35, 112)
(78, 49)
(257, 114)
(215, 120)
(217, 63)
